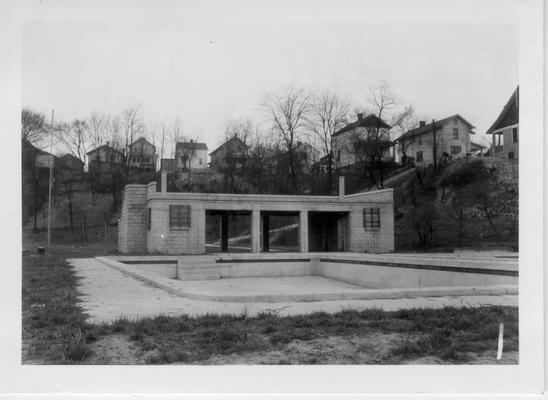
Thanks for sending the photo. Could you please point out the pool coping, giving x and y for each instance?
(170, 285)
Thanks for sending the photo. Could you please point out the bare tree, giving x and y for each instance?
(329, 113)
(133, 127)
(288, 112)
(33, 126)
(74, 137)
(401, 123)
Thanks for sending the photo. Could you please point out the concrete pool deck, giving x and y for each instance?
(107, 294)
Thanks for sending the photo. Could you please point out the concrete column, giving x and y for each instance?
(255, 231)
(303, 231)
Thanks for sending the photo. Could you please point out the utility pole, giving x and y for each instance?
(50, 177)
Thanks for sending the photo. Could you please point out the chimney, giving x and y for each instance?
(360, 116)
(164, 182)
(299, 143)
(422, 123)
(341, 187)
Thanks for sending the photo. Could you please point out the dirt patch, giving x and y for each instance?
(115, 349)
(368, 349)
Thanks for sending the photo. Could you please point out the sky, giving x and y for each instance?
(207, 69)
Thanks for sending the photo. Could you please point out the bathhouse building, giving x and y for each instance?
(161, 222)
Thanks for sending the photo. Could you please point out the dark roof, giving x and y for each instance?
(370, 121)
(106, 146)
(140, 140)
(427, 128)
(233, 138)
(509, 114)
(190, 146)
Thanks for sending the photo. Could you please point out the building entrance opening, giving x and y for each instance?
(279, 231)
(228, 231)
(327, 231)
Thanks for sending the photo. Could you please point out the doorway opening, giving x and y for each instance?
(279, 231)
(327, 231)
(228, 231)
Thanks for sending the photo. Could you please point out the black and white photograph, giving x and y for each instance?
(252, 184)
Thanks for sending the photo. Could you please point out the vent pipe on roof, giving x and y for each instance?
(341, 187)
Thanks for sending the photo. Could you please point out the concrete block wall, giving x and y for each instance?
(371, 240)
(161, 239)
(132, 229)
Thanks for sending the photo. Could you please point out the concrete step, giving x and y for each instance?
(196, 274)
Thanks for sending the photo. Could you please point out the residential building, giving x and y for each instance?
(450, 137)
(363, 140)
(306, 155)
(231, 153)
(505, 129)
(71, 163)
(168, 165)
(142, 156)
(105, 159)
(190, 155)
(477, 149)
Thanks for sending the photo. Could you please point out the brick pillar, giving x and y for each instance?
(255, 231)
(303, 231)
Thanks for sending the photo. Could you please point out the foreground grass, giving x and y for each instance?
(55, 331)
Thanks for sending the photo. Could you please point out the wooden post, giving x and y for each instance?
(105, 238)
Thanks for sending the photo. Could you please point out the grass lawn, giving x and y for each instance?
(55, 332)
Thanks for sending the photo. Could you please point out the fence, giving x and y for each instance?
(86, 234)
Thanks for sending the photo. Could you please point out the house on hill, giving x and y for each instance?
(105, 159)
(449, 136)
(306, 156)
(71, 163)
(359, 141)
(231, 153)
(505, 129)
(190, 155)
(477, 149)
(142, 156)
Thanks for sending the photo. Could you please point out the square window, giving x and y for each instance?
(371, 218)
(179, 217)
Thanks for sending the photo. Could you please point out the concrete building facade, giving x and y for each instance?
(175, 223)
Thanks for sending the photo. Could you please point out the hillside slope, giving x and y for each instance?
(467, 203)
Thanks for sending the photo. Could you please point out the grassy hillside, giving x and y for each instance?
(467, 203)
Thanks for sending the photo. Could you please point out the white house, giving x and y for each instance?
(449, 136)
